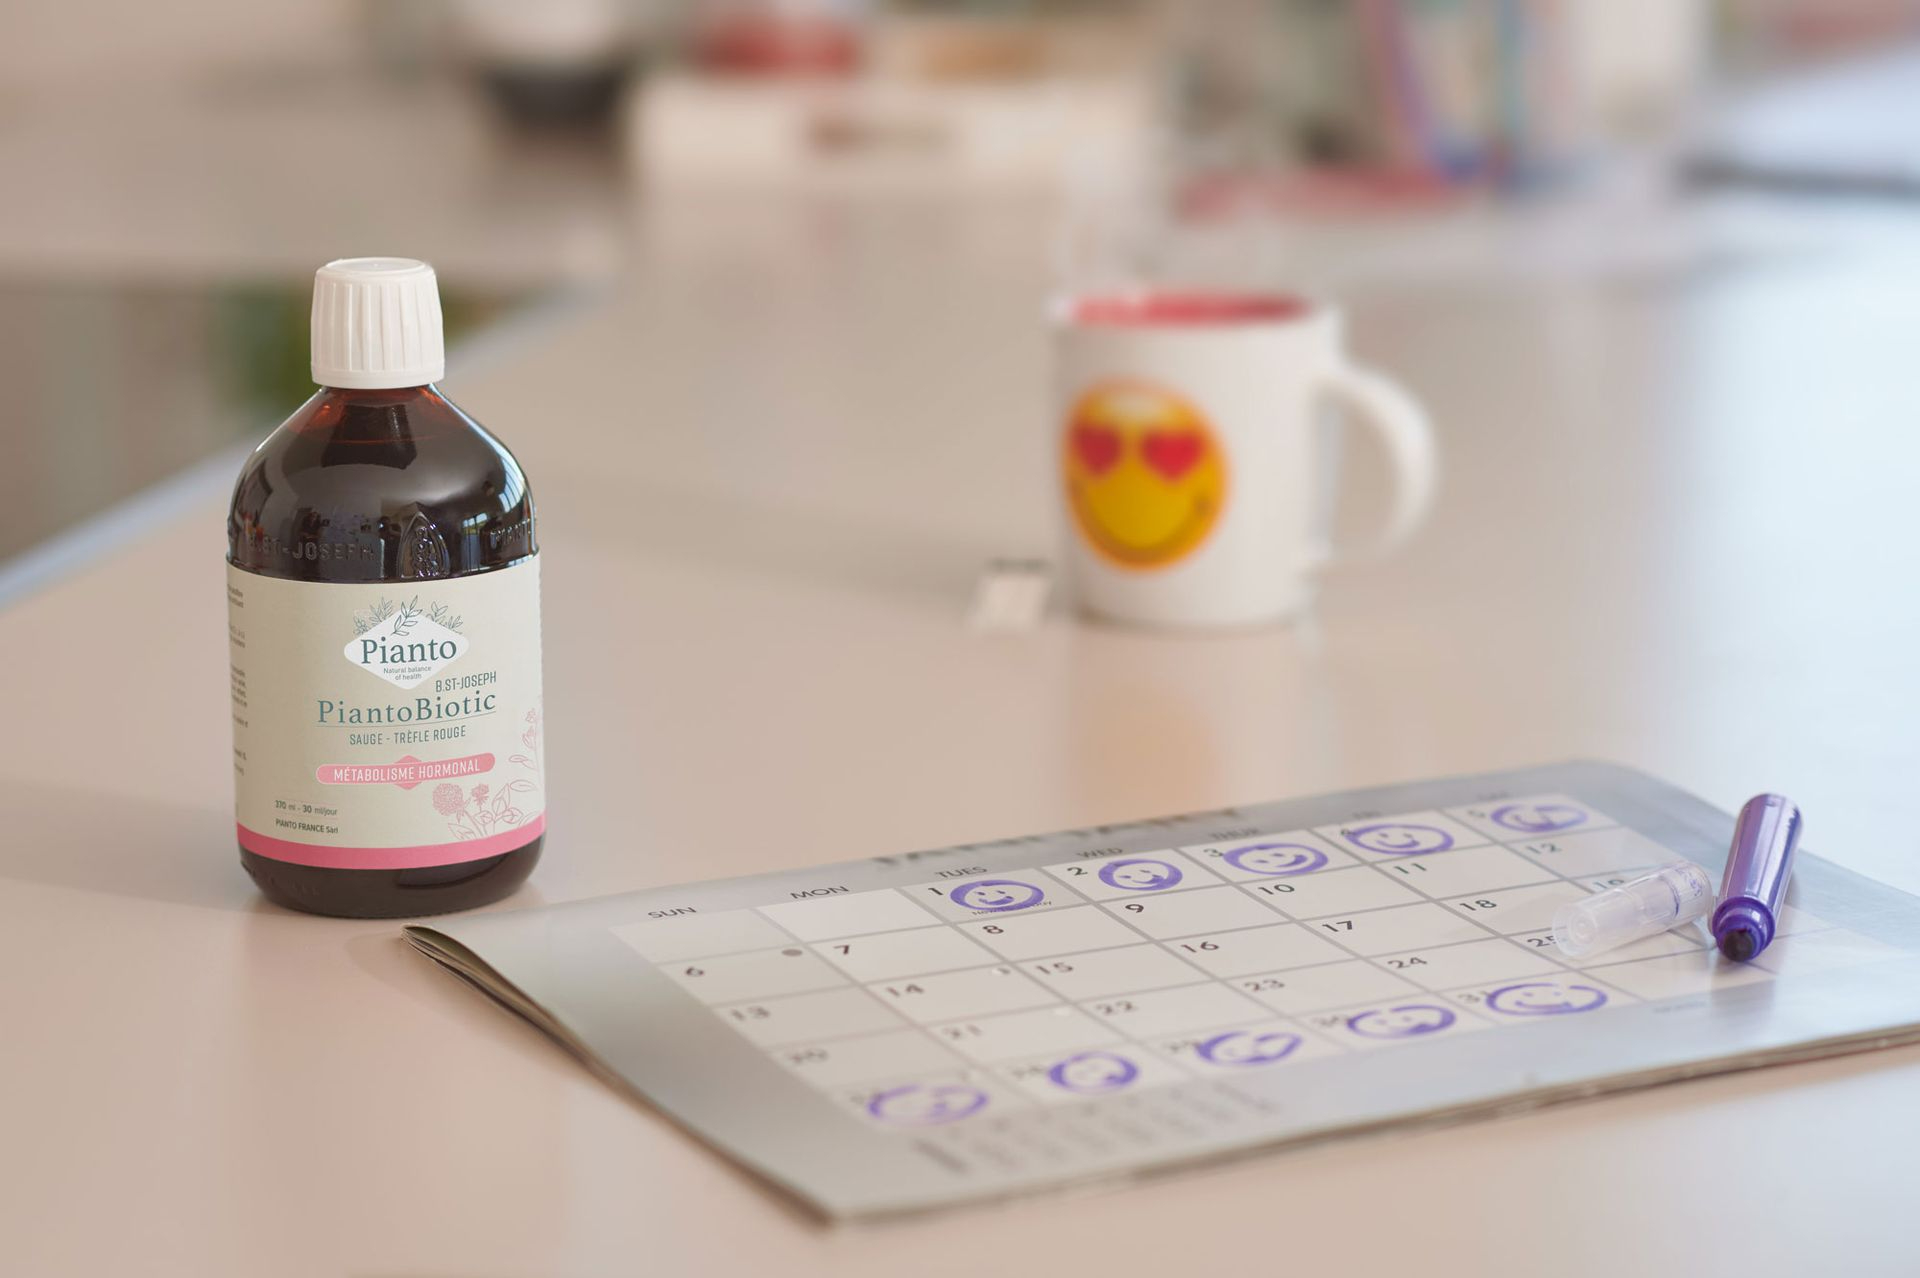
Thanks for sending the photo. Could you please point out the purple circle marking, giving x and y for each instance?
(1093, 1073)
(1398, 838)
(1152, 876)
(1408, 1020)
(1545, 998)
(996, 895)
(1275, 860)
(1242, 1047)
(917, 1105)
(1538, 818)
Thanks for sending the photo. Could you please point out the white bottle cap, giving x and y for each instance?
(376, 324)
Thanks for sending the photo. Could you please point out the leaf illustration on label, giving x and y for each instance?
(407, 648)
(373, 616)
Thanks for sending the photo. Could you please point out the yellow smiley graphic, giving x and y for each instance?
(1144, 474)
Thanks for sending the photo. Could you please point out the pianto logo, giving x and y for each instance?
(405, 643)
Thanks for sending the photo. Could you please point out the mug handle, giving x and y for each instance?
(1402, 425)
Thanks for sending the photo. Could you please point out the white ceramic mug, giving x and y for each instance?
(1191, 452)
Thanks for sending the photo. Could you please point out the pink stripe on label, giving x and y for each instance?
(406, 773)
(412, 858)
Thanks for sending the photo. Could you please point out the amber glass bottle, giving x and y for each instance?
(383, 592)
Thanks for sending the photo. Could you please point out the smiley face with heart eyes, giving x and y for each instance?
(1145, 475)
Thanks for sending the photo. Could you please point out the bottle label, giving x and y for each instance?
(387, 725)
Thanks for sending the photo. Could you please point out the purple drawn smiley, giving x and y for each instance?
(1408, 1020)
(1139, 875)
(1093, 1073)
(1545, 998)
(993, 896)
(1538, 818)
(1276, 860)
(1243, 1047)
(918, 1105)
(1398, 838)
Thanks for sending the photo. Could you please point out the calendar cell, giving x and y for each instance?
(1099, 1071)
(800, 1017)
(1467, 872)
(1451, 966)
(1185, 913)
(1675, 975)
(1541, 997)
(696, 935)
(1102, 972)
(1062, 931)
(1517, 911)
(1127, 877)
(1247, 1049)
(1542, 944)
(939, 1100)
(1333, 892)
(1534, 817)
(1176, 1011)
(914, 953)
(762, 974)
(1386, 1024)
(1678, 941)
(1313, 989)
(1596, 853)
(954, 996)
(853, 1060)
(1023, 894)
(822, 917)
(1038, 1030)
(1259, 949)
(1385, 931)
(1414, 834)
(1273, 856)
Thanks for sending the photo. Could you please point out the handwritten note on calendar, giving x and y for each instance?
(940, 1027)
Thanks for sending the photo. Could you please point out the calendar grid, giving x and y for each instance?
(905, 1032)
(1548, 950)
(1549, 874)
(1147, 969)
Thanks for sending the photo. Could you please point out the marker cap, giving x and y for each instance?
(1758, 866)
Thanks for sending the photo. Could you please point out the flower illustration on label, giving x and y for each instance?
(493, 807)
(405, 643)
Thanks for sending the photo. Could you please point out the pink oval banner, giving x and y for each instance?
(406, 772)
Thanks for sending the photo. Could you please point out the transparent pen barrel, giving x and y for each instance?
(1635, 910)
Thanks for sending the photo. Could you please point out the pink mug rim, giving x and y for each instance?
(1186, 309)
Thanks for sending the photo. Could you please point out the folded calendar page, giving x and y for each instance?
(922, 1030)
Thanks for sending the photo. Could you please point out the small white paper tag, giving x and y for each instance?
(1010, 596)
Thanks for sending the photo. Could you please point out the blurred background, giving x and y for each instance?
(172, 174)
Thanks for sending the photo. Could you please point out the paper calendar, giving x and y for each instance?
(917, 1031)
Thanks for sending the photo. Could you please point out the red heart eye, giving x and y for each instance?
(1098, 447)
(1172, 455)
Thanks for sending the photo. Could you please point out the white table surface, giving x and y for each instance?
(1677, 531)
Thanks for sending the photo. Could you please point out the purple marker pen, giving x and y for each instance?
(1757, 868)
